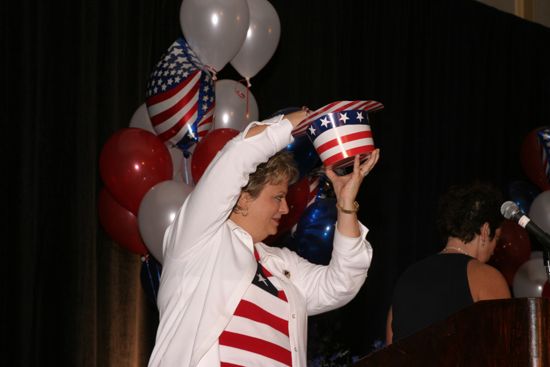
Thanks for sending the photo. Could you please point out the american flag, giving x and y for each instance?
(342, 133)
(544, 140)
(367, 106)
(180, 96)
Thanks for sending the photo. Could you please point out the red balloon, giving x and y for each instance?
(120, 224)
(531, 159)
(512, 250)
(546, 290)
(132, 161)
(207, 148)
(297, 198)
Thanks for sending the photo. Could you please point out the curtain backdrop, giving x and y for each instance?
(462, 85)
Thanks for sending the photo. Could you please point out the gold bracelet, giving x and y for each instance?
(349, 211)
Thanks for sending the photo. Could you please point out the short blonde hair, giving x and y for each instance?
(278, 168)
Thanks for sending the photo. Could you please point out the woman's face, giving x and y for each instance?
(265, 211)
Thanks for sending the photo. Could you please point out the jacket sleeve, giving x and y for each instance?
(214, 196)
(328, 287)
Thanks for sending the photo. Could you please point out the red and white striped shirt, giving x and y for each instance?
(257, 334)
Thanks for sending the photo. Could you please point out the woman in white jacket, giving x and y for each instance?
(226, 298)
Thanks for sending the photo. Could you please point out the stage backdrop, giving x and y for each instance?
(462, 84)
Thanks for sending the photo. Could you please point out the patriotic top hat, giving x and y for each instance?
(340, 130)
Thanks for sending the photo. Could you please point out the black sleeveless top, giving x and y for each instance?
(430, 291)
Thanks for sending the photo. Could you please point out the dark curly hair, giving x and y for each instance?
(464, 209)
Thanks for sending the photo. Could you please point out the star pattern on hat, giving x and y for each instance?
(343, 117)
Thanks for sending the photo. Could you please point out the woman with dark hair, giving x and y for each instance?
(226, 298)
(442, 284)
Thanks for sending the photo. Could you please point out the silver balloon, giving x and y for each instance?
(215, 29)
(539, 212)
(530, 277)
(261, 40)
(232, 109)
(141, 120)
(181, 166)
(157, 210)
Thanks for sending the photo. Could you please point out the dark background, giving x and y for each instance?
(462, 85)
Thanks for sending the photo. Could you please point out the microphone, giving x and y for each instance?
(511, 211)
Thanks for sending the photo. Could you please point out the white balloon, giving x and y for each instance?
(141, 120)
(177, 163)
(539, 211)
(530, 277)
(157, 211)
(181, 165)
(231, 105)
(215, 29)
(261, 39)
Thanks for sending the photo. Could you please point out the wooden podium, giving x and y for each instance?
(502, 333)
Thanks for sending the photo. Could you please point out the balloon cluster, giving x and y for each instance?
(519, 261)
(150, 167)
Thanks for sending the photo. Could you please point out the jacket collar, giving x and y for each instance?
(243, 235)
(263, 249)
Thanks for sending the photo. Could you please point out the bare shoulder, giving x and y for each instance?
(486, 282)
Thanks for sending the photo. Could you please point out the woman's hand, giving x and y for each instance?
(298, 116)
(346, 187)
(295, 118)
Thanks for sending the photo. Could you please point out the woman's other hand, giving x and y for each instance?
(346, 188)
